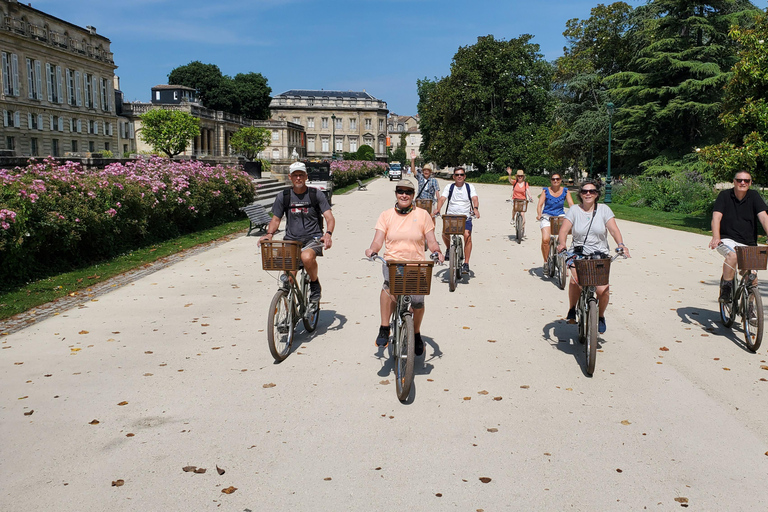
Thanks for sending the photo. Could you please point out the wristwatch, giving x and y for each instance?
(330, 232)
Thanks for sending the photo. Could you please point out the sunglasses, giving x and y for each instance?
(404, 191)
(458, 175)
(742, 180)
(555, 179)
(589, 191)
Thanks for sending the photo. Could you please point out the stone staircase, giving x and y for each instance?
(267, 189)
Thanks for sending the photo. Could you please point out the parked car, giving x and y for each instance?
(395, 171)
(319, 177)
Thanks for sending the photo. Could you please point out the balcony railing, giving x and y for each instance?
(38, 33)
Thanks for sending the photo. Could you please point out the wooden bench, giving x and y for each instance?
(361, 185)
(258, 216)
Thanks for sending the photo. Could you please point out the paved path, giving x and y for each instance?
(501, 392)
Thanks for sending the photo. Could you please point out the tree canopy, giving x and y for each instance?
(168, 131)
(249, 141)
(490, 108)
(246, 94)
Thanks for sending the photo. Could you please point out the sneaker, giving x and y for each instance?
(419, 345)
(315, 291)
(571, 317)
(601, 325)
(465, 268)
(725, 291)
(382, 340)
(545, 269)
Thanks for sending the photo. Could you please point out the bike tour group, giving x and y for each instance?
(407, 230)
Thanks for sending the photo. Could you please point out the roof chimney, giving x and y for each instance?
(91, 29)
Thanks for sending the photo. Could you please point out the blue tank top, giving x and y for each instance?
(554, 205)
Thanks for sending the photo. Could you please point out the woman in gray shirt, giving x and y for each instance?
(591, 224)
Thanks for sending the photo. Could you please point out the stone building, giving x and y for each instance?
(335, 121)
(409, 126)
(56, 85)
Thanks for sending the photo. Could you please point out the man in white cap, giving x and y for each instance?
(306, 208)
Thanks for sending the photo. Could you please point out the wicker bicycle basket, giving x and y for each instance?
(555, 223)
(520, 205)
(282, 255)
(410, 277)
(454, 224)
(752, 258)
(424, 204)
(593, 272)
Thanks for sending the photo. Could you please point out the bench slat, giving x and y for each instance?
(258, 216)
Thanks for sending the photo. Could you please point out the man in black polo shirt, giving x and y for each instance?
(734, 223)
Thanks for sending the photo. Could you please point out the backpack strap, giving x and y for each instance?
(450, 193)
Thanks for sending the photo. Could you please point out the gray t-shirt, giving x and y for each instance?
(302, 222)
(597, 237)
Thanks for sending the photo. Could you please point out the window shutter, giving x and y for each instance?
(51, 120)
(78, 99)
(69, 80)
(95, 94)
(79, 126)
(48, 81)
(5, 118)
(30, 80)
(61, 124)
(16, 119)
(130, 130)
(29, 121)
(59, 82)
(72, 125)
(39, 78)
(39, 121)
(6, 78)
(95, 127)
(15, 71)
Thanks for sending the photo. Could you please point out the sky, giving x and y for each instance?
(381, 46)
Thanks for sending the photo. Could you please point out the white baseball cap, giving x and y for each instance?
(298, 167)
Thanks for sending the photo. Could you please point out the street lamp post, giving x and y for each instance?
(608, 186)
(333, 136)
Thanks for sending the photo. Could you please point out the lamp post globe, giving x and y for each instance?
(608, 188)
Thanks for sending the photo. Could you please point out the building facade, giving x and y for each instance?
(397, 126)
(335, 121)
(57, 90)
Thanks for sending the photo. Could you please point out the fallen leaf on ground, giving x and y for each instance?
(485, 479)
(618, 470)
(625, 422)
(483, 392)
(200, 471)
(493, 429)
(147, 374)
(123, 403)
(29, 413)
(497, 398)
(525, 386)
(18, 363)
(94, 422)
(681, 500)
(439, 494)
(118, 483)
(270, 385)
(763, 367)
(491, 341)
(726, 369)
(130, 434)
(23, 397)
(384, 382)
(327, 479)
(467, 398)
(83, 332)
(664, 349)
(465, 327)
(148, 352)
(219, 470)
(229, 490)
(75, 349)
(188, 469)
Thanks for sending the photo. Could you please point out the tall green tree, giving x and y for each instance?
(247, 94)
(745, 116)
(669, 97)
(249, 141)
(168, 131)
(489, 108)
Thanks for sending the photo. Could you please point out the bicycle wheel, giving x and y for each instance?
(453, 264)
(519, 227)
(551, 259)
(728, 309)
(459, 259)
(404, 357)
(280, 325)
(752, 320)
(561, 271)
(311, 311)
(581, 320)
(591, 338)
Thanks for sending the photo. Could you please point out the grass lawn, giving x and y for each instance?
(46, 290)
(353, 186)
(680, 221)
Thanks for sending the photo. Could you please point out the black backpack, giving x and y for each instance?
(312, 200)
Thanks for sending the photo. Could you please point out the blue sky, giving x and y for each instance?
(381, 46)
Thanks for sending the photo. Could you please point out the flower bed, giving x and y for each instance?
(346, 172)
(57, 216)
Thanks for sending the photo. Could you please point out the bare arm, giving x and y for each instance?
(475, 207)
(613, 229)
(440, 203)
(763, 218)
(330, 225)
(274, 223)
(569, 199)
(377, 243)
(433, 245)
(540, 206)
(716, 218)
(563, 234)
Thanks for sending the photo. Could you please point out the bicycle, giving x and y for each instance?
(406, 278)
(556, 262)
(291, 303)
(519, 207)
(591, 274)
(453, 225)
(745, 295)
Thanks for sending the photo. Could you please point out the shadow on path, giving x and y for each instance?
(565, 338)
(710, 322)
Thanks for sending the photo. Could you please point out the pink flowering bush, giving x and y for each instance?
(56, 216)
(346, 172)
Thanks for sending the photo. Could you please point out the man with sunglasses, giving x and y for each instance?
(734, 223)
(462, 200)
